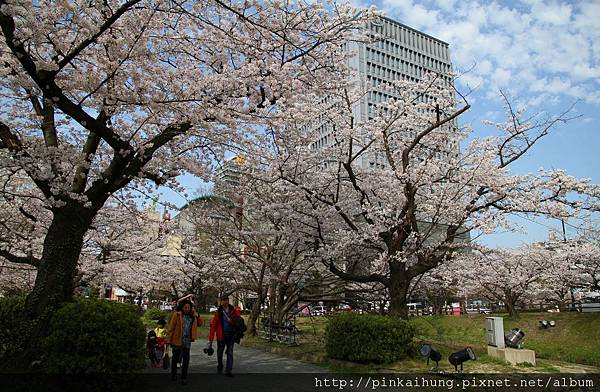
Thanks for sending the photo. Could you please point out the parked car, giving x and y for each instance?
(415, 308)
(478, 310)
(318, 310)
(590, 307)
(342, 308)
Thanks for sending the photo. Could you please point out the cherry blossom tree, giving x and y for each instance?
(17, 278)
(257, 247)
(23, 223)
(394, 196)
(546, 272)
(123, 247)
(203, 268)
(576, 266)
(514, 276)
(126, 248)
(109, 99)
(560, 275)
(585, 254)
(439, 285)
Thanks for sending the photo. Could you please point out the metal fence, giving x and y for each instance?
(582, 307)
(283, 332)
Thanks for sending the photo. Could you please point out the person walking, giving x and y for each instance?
(189, 297)
(161, 336)
(223, 326)
(182, 331)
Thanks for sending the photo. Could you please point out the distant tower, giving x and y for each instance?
(229, 176)
(166, 216)
(164, 226)
(229, 181)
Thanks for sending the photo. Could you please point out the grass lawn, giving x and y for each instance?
(576, 337)
(572, 346)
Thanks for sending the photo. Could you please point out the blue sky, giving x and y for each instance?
(544, 54)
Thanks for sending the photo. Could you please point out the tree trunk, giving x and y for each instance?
(509, 308)
(399, 284)
(281, 309)
(437, 303)
(254, 314)
(54, 282)
(174, 288)
(58, 265)
(272, 298)
(382, 307)
(510, 305)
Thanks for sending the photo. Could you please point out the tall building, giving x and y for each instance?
(392, 52)
(401, 53)
(396, 52)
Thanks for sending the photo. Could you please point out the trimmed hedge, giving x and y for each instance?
(94, 336)
(368, 338)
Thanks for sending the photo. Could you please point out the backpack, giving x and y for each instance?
(239, 325)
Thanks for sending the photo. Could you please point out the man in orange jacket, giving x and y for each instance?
(223, 325)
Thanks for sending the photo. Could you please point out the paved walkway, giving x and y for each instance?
(246, 360)
(254, 371)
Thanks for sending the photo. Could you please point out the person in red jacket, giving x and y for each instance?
(223, 325)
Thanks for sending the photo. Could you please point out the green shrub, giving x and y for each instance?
(94, 336)
(368, 338)
(155, 314)
(12, 317)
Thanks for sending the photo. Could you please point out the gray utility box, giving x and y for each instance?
(494, 331)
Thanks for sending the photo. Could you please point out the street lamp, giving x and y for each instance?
(514, 337)
(459, 357)
(430, 353)
(545, 323)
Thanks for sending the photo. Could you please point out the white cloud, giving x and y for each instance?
(485, 67)
(551, 12)
(421, 16)
(446, 5)
(417, 15)
(471, 80)
(501, 77)
(547, 47)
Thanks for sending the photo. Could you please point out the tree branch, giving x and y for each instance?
(88, 41)
(46, 82)
(29, 260)
(357, 278)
